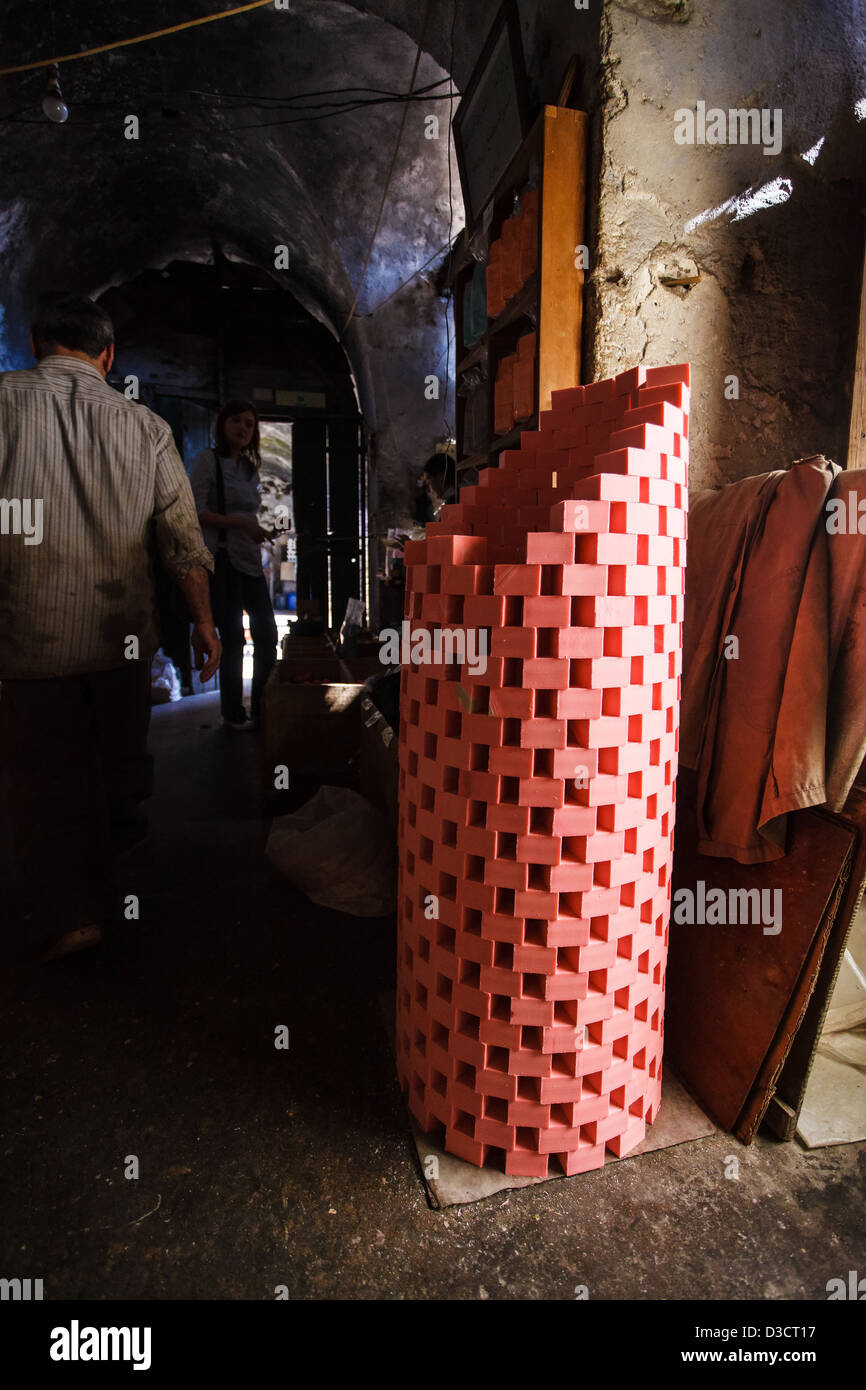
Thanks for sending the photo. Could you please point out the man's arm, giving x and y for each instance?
(183, 551)
(195, 587)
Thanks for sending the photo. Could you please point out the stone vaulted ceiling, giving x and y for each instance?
(216, 164)
(81, 198)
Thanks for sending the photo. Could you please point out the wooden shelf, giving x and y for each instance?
(518, 307)
(553, 160)
(461, 257)
(502, 441)
(474, 355)
(473, 461)
(507, 441)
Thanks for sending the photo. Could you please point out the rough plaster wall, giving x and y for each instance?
(403, 337)
(778, 297)
(404, 343)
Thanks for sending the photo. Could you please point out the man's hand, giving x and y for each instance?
(195, 587)
(206, 644)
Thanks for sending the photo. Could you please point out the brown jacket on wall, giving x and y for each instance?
(780, 722)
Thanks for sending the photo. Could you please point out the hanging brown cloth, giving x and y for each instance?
(776, 721)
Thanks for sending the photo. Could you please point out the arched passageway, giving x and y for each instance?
(194, 335)
(277, 138)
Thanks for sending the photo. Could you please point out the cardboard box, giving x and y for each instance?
(379, 766)
(296, 648)
(314, 729)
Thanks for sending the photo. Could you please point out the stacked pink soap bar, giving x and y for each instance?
(537, 787)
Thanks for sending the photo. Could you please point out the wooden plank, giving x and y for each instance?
(568, 81)
(792, 1021)
(857, 433)
(563, 214)
(474, 355)
(794, 1076)
(730, 987)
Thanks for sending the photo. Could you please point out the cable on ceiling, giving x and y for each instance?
(448, 338)
(440, 251)
(345, 107)
(316, 112)
(247, 98)
(391, 168)
(139, 38)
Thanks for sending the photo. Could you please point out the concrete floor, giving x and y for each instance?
(261, 1168)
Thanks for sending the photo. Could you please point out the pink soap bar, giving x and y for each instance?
(549, 548)
(517, 579)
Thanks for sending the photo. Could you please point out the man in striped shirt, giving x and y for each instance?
(89, 482)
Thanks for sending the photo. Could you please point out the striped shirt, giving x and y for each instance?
(88, 479)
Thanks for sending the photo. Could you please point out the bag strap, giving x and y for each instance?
(222, 534)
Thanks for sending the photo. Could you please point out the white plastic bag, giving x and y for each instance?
(164, 680)
(338, 851)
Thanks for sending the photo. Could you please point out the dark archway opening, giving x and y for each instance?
(191, 336)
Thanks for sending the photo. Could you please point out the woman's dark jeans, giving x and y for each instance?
(245, 593)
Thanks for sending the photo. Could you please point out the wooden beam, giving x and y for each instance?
(857, 434)
(568, 82)
(563, 211)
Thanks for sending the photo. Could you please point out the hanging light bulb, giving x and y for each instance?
(53, 104)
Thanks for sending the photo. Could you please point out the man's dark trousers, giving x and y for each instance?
(73, 750)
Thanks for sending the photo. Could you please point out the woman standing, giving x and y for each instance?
(227, 490)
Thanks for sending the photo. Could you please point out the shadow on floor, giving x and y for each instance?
(261, 1167)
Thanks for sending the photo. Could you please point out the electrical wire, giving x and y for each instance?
(139, 38)
(448, 430)
(247, 99)
(409, 278)
(444, 353)
(342, 108)
(306, 114)
(391, 168)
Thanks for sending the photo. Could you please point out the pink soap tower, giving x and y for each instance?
(537, 796)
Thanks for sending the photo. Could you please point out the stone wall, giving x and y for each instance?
(768, 248)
